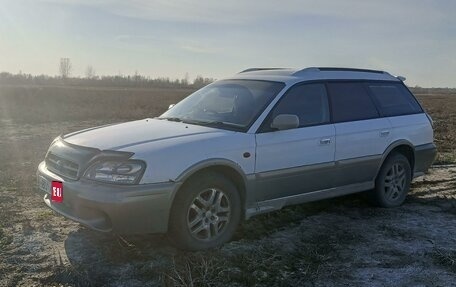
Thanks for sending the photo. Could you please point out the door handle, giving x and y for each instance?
(325, 141)
(384, 133)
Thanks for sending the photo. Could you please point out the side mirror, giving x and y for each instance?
(285, 122)
(170, 106)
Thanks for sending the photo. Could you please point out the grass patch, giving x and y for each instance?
(445, 158)
(445, 258)
(394, 232)
(262, 225)
(5, 239)
(68, 275)
(44, 214)
(244, 264)
(192, 270)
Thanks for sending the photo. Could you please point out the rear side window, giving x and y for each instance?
(351, 102)
(394, 99)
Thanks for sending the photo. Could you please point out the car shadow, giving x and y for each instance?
(102, 258)
(98, 258)
(85, 246)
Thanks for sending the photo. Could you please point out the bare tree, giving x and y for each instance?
(201, 82)
(90, 72)
(185, 80)
(137, 76)
(65, 67)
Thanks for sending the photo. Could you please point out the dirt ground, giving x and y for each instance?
(336, 242)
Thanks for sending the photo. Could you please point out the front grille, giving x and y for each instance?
(61, 166)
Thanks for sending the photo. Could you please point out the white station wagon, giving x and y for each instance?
(253, 143)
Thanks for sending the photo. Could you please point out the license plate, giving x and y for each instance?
(57, 191)
(44, 184)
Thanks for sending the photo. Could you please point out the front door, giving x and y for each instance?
(298, 160)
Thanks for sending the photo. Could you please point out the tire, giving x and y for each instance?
(393, 182)
(205, 213)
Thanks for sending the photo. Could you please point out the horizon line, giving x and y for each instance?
(149, 77)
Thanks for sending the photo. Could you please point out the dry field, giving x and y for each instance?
(335, 242)
(442, 108)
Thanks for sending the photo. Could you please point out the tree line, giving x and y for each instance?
(92, 80)
(135, 80)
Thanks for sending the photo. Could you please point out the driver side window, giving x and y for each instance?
(308, 102)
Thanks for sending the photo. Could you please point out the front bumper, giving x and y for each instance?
(123, 209)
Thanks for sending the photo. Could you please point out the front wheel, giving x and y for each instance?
(393, 182)
(206, 212)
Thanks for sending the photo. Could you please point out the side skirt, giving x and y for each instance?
(278, 203)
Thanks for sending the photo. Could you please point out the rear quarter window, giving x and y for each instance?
(393, 99)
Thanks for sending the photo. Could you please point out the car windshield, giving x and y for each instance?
(228, 104)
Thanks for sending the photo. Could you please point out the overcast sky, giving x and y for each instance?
(414, 38)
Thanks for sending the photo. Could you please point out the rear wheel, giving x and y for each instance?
(206, 212)
(393, 182)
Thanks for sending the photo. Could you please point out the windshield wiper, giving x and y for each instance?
(215, 123)
(171, 119)
(205, 123)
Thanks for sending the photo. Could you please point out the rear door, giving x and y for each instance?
(299, 160)
(361, 134)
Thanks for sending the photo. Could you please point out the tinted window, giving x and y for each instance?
(309, 102)
(351, 102)
(394, 99)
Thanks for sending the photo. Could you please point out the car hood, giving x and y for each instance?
(125, 135)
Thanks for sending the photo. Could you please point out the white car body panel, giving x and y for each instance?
(413, 128)
(294, 148)
(123, 135)
(362, 138)
(167, 160)
(159, 143)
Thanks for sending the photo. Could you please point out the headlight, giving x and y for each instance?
(125, 172)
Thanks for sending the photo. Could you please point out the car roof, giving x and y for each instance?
(290, 76)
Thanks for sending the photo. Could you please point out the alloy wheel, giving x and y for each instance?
(209, 214)
(395, 181)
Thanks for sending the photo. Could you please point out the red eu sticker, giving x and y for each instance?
(57, 191)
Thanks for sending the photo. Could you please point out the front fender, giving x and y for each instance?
(208, 163)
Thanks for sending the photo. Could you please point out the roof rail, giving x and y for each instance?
(331, 69)
(310, 69)
(258, 69)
